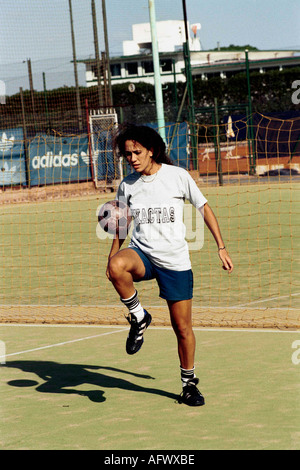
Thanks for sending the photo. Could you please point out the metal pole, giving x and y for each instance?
(89, 141)
(105, 79)
(217, 143)
(27, 160)
(175, 86)
(107, 51)
(185, 20)
(157, 80)
(189, 80)
(97, 56)
(79, 112)
(252, 158)
(31, 91)
(46, 102)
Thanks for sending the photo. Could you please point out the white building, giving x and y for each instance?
(170, 37)
(136, 65)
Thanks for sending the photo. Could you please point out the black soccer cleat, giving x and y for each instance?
(190, 395)
(135, 338)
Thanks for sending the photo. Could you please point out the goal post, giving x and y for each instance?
(106, 168)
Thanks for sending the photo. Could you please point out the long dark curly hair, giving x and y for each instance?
(144, 135)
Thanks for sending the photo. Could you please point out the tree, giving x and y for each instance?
(232, 47)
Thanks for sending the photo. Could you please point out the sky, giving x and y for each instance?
(40, 30)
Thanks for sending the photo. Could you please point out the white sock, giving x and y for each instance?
(186, 375)
(134, 306)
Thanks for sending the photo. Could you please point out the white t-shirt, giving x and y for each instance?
(157, 204)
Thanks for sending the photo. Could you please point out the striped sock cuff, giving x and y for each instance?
(134, 306)
(186, 374)
(132, 302)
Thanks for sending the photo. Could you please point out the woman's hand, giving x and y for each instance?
(226, 260)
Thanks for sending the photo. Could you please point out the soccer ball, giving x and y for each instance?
(114, 217)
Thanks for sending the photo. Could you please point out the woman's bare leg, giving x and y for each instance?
(124, 268)
(181, 319)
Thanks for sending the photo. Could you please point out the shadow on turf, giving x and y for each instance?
(58, 378)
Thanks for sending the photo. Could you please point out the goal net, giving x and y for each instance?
(53, 260)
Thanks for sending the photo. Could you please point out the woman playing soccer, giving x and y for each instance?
(155, 193)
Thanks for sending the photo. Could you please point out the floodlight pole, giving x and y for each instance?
(157, 80)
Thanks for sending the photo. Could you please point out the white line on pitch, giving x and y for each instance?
(63, 343)
(153, 327)
(265, 300)
(60, 325)
(202, 307)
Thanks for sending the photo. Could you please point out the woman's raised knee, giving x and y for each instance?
(116, 266)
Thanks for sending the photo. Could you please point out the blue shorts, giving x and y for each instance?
(173, 285)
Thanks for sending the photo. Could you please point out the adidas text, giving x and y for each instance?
(50, 160)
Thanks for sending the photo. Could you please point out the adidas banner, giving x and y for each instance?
(12, 158)
(58, 160)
